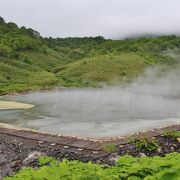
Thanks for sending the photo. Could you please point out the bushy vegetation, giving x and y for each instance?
(130, 168)
(30, 62)
(149, 145)
(108, 68)
(172, 134)
(109, 148)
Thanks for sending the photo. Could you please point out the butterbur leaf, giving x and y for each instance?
(134, 178)
(128, 168)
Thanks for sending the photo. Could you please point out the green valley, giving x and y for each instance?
(30, 62)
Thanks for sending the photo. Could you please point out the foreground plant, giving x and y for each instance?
(149, 145)
(131, 168)
(109, 148)
(172, 134)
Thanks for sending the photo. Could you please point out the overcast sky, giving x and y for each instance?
(110, 18)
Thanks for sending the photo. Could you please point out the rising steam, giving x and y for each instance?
(150, 101)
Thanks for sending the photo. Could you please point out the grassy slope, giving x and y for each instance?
(44, 70)
(16, 75)
(115, 61)
(31, 62)
(108, 68)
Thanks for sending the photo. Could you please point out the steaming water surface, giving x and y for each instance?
(96, 113)
(151, 101)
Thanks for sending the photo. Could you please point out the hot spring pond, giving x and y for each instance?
(93, 112)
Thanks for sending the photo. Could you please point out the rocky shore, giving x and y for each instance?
(18, 152)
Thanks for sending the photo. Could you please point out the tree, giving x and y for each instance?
(34, 33)
(5, 51)
(11, 25)
(99, 38)
(2, 21)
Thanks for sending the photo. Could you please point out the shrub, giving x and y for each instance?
(109, 148)
(172, 134)
(127, 168)
(149, 145)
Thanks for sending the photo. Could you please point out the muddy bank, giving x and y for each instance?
(17, 145)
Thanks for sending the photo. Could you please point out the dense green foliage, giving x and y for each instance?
(29, 61)
(149, 145)
(131, 168)
(109, 148)
(108, 68)
(172, 134)
(25, 62)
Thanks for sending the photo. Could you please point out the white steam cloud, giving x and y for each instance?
(151, 101)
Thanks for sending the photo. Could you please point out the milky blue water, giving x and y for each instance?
(94, 112)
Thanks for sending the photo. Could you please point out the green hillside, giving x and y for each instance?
(30, 62)
(107, 68)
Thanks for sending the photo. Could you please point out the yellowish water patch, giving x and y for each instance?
(10, 105)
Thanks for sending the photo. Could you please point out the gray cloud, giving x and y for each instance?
(112, 19)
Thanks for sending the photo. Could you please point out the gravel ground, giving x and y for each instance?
(17, 153)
